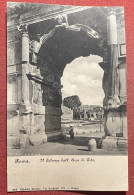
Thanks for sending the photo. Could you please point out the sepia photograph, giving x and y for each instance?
(66, 83)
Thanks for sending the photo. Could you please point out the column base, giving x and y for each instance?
(53, 136)
(122, 143)
(111, 143)
(17, 141)
(38, 139)
(13, 141)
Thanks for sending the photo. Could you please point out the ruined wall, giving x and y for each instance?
(25, 110)
(31, 110)
(67, 114)
(42, 49)
(14, 80)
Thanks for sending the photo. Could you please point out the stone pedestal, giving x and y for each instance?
(92, 145)
(53, 136)
(24, 140)
(109, 143)
(38, 139)
(53, 123)
(13, 141)
(122, 143)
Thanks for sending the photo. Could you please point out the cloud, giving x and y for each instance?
(83, 77)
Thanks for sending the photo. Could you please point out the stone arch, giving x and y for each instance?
(63, 45)
(56, 40)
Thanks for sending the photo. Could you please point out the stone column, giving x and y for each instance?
(113, 57)
(111, 27)
(25, 45)
(25, 64)
(85, 115)
(111, 112)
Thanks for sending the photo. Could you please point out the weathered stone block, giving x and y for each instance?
(24, 140)
(12, 124)
(124, 120)
(13, 141)
(37, 139)
(67, 113)
(13, 52)
(38, 109)
(123, 91)
(43, 137)
(64, 135)
(52, 136)
(52, 123)
(109, 143)
(53, 111)
(122, 143)
(92, 145)
(114, 122)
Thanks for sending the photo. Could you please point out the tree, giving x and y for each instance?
(72, 102)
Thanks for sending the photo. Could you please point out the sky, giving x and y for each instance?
(83, 77)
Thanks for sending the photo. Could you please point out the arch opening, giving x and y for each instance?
(81, 76)
(82, 93)
(66, 45)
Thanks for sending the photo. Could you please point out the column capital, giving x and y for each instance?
(61, 20)
(111, 10)
(23, 29)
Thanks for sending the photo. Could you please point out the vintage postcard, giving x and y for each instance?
(66, 98)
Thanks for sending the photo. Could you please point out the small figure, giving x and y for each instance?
(71, 132)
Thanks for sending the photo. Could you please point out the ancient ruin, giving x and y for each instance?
(41, 40)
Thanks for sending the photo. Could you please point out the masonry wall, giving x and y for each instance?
(34, 118)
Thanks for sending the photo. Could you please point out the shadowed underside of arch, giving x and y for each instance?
(58, 48)
(65, 43)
